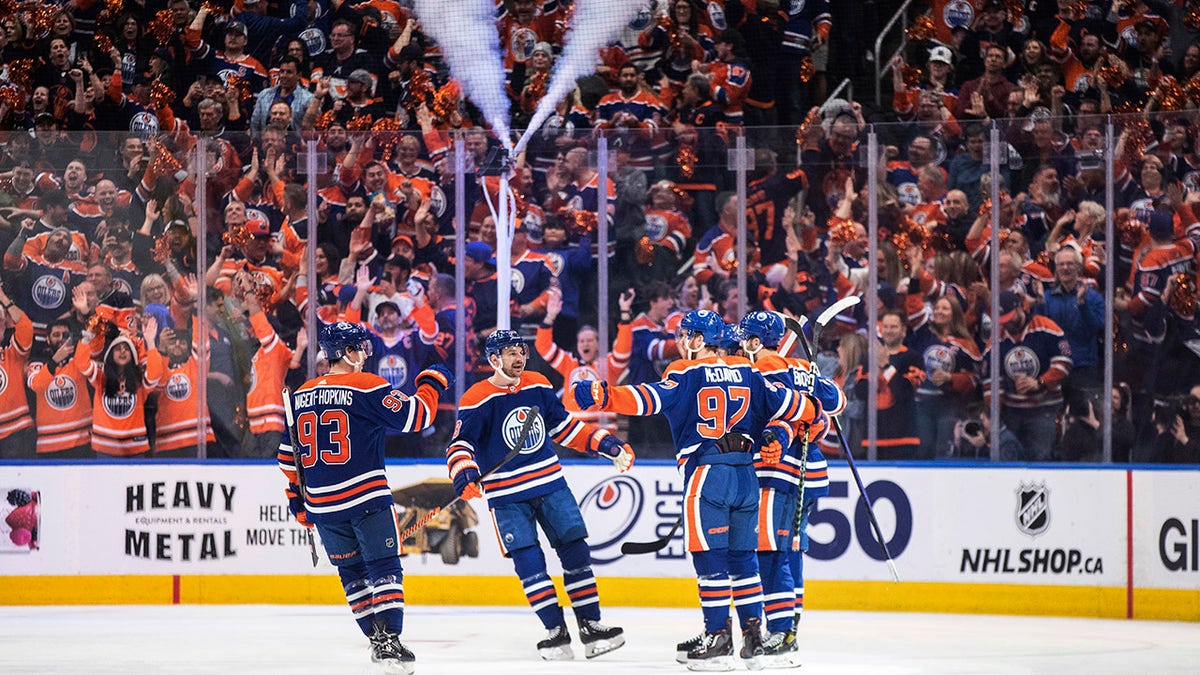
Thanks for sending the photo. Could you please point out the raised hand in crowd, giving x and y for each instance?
(150, 331)
(554, 304)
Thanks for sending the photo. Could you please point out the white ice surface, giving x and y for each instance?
(500, 641)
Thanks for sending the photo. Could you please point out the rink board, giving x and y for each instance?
(1098, 542)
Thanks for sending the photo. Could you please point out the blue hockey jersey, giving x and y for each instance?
(705, 399)
(341, 421)
(489, 421)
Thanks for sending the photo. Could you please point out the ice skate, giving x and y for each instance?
(752, 644)
(780, 651)
(557, 645)
(715, 653)
(599, 639)
(682, 648)
(390, 653)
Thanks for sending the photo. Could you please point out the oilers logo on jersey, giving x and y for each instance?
(521, 43)
(119, 406)
(394, 369)
(1022, 360)
(49, 292)
(3, 380)
(179, 387)
(958, 14)
(518, 281)
(656, 227)
(61, 394)
(939, 357)
(513, 422)
(582, 373)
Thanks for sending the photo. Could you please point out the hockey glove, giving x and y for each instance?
(590, 393)
(772, 449)
(466, 483)
(437, 376)
(296, 504)
(620, 453)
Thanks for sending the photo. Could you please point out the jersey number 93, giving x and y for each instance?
(329, 432)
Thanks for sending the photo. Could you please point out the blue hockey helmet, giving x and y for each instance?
(336, 338)
(766, 326)
(499, 339)
(731, 338)
(705, 322)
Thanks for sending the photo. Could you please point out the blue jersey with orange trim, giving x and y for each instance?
(653, 344)
(340, 423)
(705, 399)
(785, 475)
(489, 421)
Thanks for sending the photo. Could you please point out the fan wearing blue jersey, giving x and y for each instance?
(718, 408)
(340, 424)
(529, 489)
(781, 563)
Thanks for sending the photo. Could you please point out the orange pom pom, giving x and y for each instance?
(361, 122)
(911, 74)
(842, 231)
(239, 235)
(922, 29)
(686, 159)
(1183, 297)
(1192, 18)
(807, 69)
(645, 251)
(162, 27)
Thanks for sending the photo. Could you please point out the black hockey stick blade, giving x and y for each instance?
(289, 417)
(522, 435)
(640, 547)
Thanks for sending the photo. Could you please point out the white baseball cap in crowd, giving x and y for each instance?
(941, 53)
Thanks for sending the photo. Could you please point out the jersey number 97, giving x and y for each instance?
(715, 412)
(326, 436)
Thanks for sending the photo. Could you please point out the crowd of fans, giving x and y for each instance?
(115, 113)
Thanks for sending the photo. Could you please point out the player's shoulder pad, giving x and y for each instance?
(1040, 322)
(360, 381)
(530, 378)
(477, 394)
(677, 366)
(771, 363)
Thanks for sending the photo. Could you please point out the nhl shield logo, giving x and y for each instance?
(1033, 508)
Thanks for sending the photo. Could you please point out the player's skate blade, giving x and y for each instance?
(752, 644)
(557, 645)
(682, 648)
(391, 654)
(779, 651)
(714, 654)
(599, 639)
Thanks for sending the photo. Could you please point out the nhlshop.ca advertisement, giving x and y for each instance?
(942, 524)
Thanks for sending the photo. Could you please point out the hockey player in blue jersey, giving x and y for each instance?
(718, 408)
(781, 563)
(340, 422)
(530, 490)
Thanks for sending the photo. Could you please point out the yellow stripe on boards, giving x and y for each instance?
(871, 596)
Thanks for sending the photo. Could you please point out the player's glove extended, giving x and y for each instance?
(437, 376)
(590, 393)
(771, 449)
(619, 452)
(296, 504)
(466, 483)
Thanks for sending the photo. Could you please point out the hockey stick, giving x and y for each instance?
(823, 320)
(523, 434)
(291, 426)
(640, 547)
